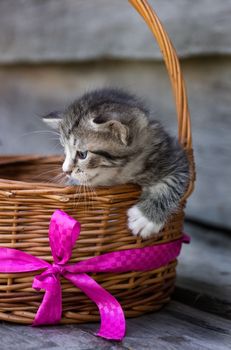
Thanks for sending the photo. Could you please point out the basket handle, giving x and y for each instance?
(173, 68)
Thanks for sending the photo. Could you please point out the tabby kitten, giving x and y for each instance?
(109, 138)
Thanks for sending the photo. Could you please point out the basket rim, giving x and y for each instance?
(37, 187)
(12, 188)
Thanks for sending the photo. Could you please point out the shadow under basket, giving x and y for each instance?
(28, 199)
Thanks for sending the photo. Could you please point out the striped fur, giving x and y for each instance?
(122, 144)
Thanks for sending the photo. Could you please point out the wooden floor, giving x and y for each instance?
(199, 317)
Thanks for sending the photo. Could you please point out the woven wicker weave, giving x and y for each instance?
(27, 202)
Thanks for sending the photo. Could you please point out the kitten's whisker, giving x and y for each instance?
(50, 171)
(86, 193)
(89, 192)
(40, 132)
(54, 139)
(44, 176)
(55, 147)
(76, 196)
(58, 179)
(92, 189)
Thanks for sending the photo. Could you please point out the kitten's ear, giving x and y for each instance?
(53, 119)
(115, 127)
(119, 130)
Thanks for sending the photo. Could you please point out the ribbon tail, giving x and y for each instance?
(111, 313)
(186, 238)
(50, 310)
(13, 260)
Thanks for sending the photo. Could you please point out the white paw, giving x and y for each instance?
(140, 225)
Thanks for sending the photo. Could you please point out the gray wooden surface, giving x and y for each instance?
(199, 317)
(205, 264)
(177, 327)
(70, 30)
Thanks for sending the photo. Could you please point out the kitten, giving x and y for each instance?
(109, 138)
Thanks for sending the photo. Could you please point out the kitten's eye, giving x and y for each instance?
(82, 155)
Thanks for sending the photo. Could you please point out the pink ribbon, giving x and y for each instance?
(63, 233)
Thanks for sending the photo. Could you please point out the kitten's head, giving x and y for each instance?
(101, 134)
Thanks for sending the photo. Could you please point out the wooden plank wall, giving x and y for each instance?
(52, 51)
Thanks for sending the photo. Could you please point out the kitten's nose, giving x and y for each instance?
(67, 166)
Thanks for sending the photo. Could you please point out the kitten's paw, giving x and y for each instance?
(140, 225)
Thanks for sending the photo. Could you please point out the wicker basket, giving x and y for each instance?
(27, 202)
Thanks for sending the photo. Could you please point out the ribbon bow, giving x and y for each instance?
(63, 233)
